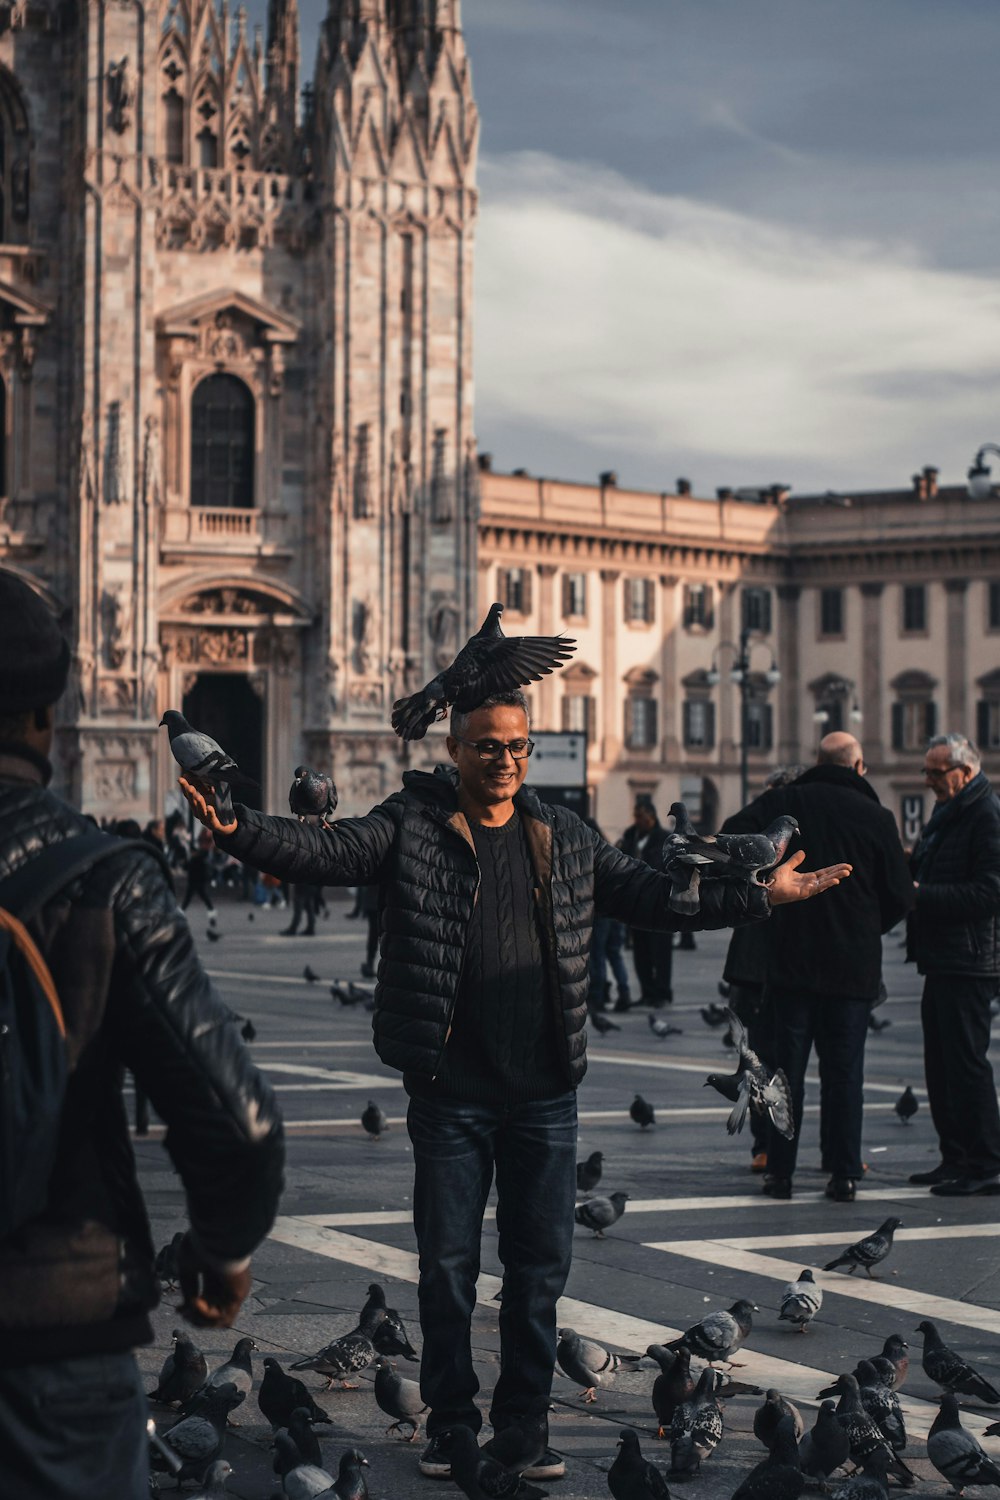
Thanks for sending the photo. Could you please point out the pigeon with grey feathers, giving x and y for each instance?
(882, 1405)
(214, 1482)
(599, 1214)
(601, 1024)
(719, 1334)
(673, 1386)
(769, 1416)
(753, 1087)
(662, 1029)
(184, 1372)
(870, 1449)
(955, 1453)
(300, 1431)
(235, 1372)
(374, 1120)
(869, 1252)
(312, 795)
(690, 857)
(588, 1363)
(196, 1440)
(860, 1487)
(344, 1356)
(800, 1301)
(399, 1398)
(779, 1476)
(698, 1437)
(200, 756)
(588, 1173)
(950, 1371)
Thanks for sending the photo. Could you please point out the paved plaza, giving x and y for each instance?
(697, 1233)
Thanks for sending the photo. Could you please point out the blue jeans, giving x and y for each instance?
(74, 1429)
(839, 1029)
(606, 943)
(457, 1147)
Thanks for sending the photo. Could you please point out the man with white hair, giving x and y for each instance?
(954, 936)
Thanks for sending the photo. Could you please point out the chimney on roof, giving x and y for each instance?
(608, 479)
(519, 473)
(920, 485)
(931, 477)
(683, 486)
(778, 493)
(485, 462)
(724, 492)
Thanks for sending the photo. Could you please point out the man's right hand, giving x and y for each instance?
(211, 805)
(212, 1298)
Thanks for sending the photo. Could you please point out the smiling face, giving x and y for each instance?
(489, 783)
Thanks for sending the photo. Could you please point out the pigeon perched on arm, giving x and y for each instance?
(481, 1477)
(690, 857)
(800, 1301)
(641, 1111)
(719, 1334)
(588, 1363)
(751, 1087)
(312, 795)
(955, 1453)
(374, 1120)
(673, 1386)
(599, 1214)
(950, 1371)
(281, 1394)
(632, 1477)
(198, 755)
(488, 663)
(868, 1252)
(184, 1372)
(906, 1105)
(588, 1173)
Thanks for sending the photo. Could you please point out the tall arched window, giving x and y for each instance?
(173, 128)
(222, 443)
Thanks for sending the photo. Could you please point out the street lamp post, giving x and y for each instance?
(740, 675)
(980, 486)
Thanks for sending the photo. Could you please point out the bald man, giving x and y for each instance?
(823, 963)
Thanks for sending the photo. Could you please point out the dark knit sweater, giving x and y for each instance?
(503, 1046)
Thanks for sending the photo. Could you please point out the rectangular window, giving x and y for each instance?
(639, 601)
(516, 591)
(699, 724)
(579, 715)
(757, 610)
(914, 722)
(760, 719)
(574, 595)
(988, 724)
(914, 607)
(697, 606)
(640, 723)
(831, 611)
(994, 606)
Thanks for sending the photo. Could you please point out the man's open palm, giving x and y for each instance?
(789, 883)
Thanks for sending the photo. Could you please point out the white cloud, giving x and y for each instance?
(655, 327)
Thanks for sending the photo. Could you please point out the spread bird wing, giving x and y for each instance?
(777, 1097)
(502, 664)
(738, 1114)
(741, 1042)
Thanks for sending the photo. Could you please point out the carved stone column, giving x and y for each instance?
(611, 741)
(871, 672)
(669, 686)
(787, 738)
(546, 626)
(956, 698)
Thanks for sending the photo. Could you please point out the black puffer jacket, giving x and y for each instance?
(79, 1279)
(955, 928)
(418, 847)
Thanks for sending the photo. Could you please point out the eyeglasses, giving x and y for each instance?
(495, 749)
(940, 775)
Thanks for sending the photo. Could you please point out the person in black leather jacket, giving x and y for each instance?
(77, 1281)
(954, 936)
(487, 899)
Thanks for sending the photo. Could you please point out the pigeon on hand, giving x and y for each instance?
(601, 1024)
(690, 857)
(235, 1372)
(868, 1252)
(399, 1398)
(482, 1477)
(751, 1087)
(950, 1371)
(167, 1264)
(599, 1214)
(588, 1363)
(779, 1476)
(632, 1477)
(955, 1453)
(870, 1449)
(588, 1173)
(826, 1447)
(704, 1434)
(374, 1120)
(719, 1334)
(281, 1394)
(882, 1405)
(906, 1106)
(184, 1372)
(662, 1029)
(389, 1337)
(673, 1386)
(800, 1301)
(197, 1438)
(309, 976)
(346, 1355)
(199, 756)
(771, 1414)
(488, 663)
(213, 1482)
(312, 795)
(641, 1111)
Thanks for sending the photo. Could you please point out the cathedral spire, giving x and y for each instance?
(283, 49)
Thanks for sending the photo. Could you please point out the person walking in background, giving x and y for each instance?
(607, 946)
(199, 874)
(824, 962)
(305, 904)
(953, 935)
(368, 903)
(652, 952)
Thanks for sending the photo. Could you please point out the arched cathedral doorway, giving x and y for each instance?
(225, 705)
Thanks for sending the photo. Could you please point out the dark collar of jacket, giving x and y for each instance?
(20, 763)
(438, 791)
(844, 776)
(947, 812)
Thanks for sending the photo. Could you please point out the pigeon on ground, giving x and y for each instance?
(896, 1351)
(826, 1446)
(212, 935)
(307, 1482)
(300, 1430)
(480, 1476)
(601, 1024)
(349, 993)
(882, 1405)
(588, 1173)
(488, 663)
(599, 1214)
(197, 1438)
(727, 1388)
(184, 1372)
(779, 1476)
(214, 1482)
(906, 1105)
(374, 1120)
(714, 1015)
(752, 1087)
(860, 1487)
(286, 1454)
(520, 1446)
(248, 1031)
(588, 1363)
(641, 1111)
(870, 1449)
(876, 1023)
(389, 1337)
(199, 755)
(344, 1356)
(868, 1252)
(280, 1394)
(309, 976)
(632, 1477)
(350, 1483)
(398, 1397)
(800, 1301)
(313, 795)
(662, 1029)
(167, 1263)
(950, 1371)
(237, 1371)
(700, 1440)
(955, 1453)
(673, 1386)
(690, 857)
(769, 1416)
(719, 1334)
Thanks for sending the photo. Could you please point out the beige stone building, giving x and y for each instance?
(235, 375)
(877, 612)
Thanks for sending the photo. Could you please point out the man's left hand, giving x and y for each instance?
(789, 883)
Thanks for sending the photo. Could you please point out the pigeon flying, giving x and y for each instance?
(599, 1214)
(488, 663)
(374, 1120)
(955, 1453)
(588, 1173)
(690, 857)
(398, 1398)
(950, 1371)
(632, 1477)
(868, 1252)
(281, 1394)
(719, 1334)
(800, 1301)
(312, 795)
(641, 1111)
(906, 1105)
(588, 1363)
(199, 755)
(751, 1088)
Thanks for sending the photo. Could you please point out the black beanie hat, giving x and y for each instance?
(34, 653)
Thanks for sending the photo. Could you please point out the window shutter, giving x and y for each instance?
(930, 719)
(564, 710)
(527, 575)
(686, 604)
(591, 721)
(629, 719)
(565, 595)
(686, 721)
(709, 726)
(709, 619)
(983, 725)
(765, 612)
(503, 587)
(626, 600)
(897, 726)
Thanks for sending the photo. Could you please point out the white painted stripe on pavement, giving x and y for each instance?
(345, 1076)
(924, 1232)
(665, 1065)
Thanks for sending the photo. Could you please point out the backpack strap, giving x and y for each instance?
(44, 875)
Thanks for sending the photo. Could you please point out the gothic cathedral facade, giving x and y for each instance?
(236, 433)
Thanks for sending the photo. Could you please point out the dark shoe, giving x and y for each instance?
(777, 1187)
(968, 1187)
(841, 1189)
(435, 1461)
(548, 1464)
(288, 932)
(941, 1173)
(551, 1465)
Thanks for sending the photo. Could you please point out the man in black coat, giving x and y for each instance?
(487, 900)
(954, 936)
(652, 952)
(824, 963)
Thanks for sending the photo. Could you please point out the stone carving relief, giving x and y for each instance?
(152, 490)
(442, 626)
(118, 86)
(115, 695)
(442, 484)
(115, 457)
(368, 696)
(229, 601)
(85, 487)
(365, 632)
(366, 783)
(214, 647)
(151, 664)
(116, 624)
(278, 649)
(362, 476)
(115, 780)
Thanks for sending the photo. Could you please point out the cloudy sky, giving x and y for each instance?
(737, 240)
